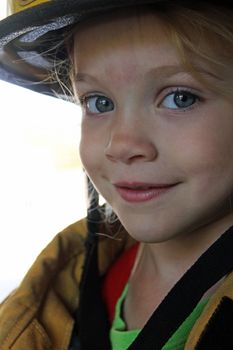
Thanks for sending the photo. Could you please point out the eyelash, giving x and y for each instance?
(171, 91)
(85, 99)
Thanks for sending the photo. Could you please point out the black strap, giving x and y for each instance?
(92, 324)
(213, 265)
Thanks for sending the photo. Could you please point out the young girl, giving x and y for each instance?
(154, 80)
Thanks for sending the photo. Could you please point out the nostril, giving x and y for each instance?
(110, 157)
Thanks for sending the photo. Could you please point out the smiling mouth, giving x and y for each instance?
(137, 192)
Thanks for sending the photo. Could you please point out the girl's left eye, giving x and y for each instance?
(97, 104)
(179, 99)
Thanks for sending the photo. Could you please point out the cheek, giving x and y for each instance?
(214, 138)
(86, 152)
(90, 152)
(205, 151)
(208, 161)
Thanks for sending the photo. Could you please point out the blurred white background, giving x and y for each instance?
(42, 185)
(3, 6)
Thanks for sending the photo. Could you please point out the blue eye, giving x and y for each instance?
(98, 104)
(180, 99)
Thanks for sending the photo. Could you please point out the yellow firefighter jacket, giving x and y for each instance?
(38, 314)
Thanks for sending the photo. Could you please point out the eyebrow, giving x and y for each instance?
(161, 71)
(83, 77)
(170, 70)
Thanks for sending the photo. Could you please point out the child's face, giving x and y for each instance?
(157, 144)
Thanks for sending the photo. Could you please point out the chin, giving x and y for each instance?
(149, 234)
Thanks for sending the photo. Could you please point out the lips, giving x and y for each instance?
(141, 192)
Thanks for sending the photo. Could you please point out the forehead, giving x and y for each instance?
(122, 38)
(133, 24)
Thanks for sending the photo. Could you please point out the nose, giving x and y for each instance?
(129, 144)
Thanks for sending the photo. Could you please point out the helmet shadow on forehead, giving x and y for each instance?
(121, 30)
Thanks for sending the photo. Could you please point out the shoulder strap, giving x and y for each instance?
(91, 328)
(213, 265)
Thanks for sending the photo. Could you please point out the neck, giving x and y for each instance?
(172, 258)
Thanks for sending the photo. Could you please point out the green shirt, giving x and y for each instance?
(121, 339)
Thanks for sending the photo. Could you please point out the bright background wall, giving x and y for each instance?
(3, 8)
(42, 185)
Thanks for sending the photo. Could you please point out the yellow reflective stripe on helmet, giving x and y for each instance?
(19, 5)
